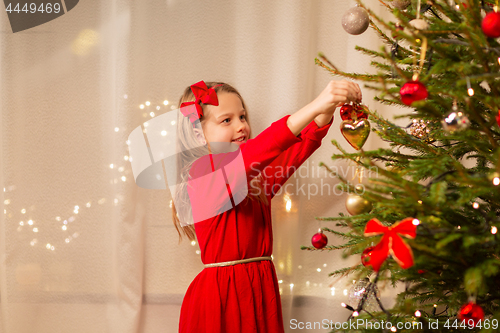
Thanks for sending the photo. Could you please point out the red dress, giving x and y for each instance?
(245, 298)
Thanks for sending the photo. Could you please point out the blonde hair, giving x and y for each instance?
(188, 153)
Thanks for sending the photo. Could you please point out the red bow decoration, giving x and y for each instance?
(392, 242)
(203, 95)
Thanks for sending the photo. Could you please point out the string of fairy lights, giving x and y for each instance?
(31, 224)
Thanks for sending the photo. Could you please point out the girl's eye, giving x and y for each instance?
(228, 119)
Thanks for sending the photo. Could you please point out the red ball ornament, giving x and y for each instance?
(491, 25)
(413, 91)
(422, 271)
(319, 240)
(471, 311)
(498, 118)
(367, 255)
(347, 111)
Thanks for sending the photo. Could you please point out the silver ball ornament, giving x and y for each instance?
(401, 4)
(355, 21)
(419, 24)
(358, 291)
(455, 121)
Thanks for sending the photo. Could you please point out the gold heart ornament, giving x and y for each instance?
(355, 132)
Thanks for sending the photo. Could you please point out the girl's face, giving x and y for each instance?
(226, 122)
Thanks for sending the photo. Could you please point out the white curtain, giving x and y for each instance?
(82, 247)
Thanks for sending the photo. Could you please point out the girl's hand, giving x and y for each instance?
(335, 94)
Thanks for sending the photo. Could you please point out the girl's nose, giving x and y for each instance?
(241, 125)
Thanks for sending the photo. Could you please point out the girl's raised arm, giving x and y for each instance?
(282, 134)
(322, 107)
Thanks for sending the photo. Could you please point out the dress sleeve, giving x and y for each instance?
(285, 165)
(260, 151)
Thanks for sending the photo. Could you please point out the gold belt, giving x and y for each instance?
(234, 262)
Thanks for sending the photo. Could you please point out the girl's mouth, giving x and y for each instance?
(240, 139)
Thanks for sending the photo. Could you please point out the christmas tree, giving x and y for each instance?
(430, 218)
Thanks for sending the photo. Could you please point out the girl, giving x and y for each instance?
(238, 289)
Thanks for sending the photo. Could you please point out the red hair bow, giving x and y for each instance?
(203, 95)
(392, 242)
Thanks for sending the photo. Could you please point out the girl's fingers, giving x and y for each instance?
(339, 92)
(341, 95)
(358, 96)
(357, 91)
(343, 84)
(352, 93)
(346, 91)
(354, 97)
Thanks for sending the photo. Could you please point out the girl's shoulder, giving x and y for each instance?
(211, 162)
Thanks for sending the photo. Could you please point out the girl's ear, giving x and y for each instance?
(200, 137)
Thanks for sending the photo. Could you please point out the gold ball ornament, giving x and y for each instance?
(356, 204)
